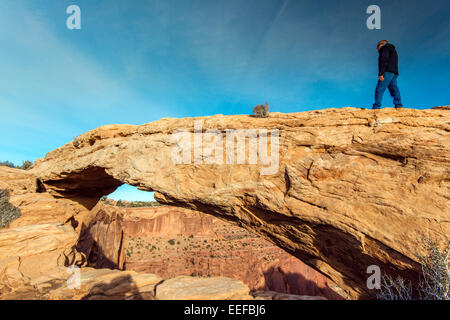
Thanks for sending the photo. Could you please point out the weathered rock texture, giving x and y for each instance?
(18, 181)
(32, 251)
(107, 284)
(170, 241)
(101, 238)
(190, 288)
(35, 205)
(95, 284)
(354, 187)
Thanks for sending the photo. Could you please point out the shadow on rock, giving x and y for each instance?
(297, 284)
(120, 288)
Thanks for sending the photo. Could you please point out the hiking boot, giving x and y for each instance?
(398, 107)
(376, 108)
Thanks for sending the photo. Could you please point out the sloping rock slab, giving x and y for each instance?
(191, 288)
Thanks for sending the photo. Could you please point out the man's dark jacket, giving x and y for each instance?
(388, 59)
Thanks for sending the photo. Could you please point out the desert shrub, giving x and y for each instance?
(25, 164)
(7, 164)
(434, 281)
(395, 289)
(136, 204)
(120, 203)
(8, 212)
(171, 242)
(76, 142)
(261, 111)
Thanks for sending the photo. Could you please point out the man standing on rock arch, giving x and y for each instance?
(387, 74)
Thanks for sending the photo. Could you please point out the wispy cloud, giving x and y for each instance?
(49, 86)
(39, 62)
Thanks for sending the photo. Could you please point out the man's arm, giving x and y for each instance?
(382, 63)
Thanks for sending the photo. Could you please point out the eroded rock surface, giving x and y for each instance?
(101, 238)
(191, 288)
(36, 206)
(17, 181)
(94, 284)
(32, 251)
(353, 188)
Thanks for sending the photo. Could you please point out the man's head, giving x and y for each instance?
(381, 44)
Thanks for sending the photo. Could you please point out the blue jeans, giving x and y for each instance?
(390, 82)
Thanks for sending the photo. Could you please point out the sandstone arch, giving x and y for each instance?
(354, 187)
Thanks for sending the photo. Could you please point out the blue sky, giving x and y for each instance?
(137, 61)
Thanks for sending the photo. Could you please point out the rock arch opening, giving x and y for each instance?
(169, 241)
(86, 187)
(126, 192)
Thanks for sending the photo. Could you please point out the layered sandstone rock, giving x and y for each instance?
(106, 284)
(166, 221)
(353, 188)
(190, 288)
(17, 181)
(44, 208)
(41, 238)
(36, 206)
(170, 241)
(101, 237)
(94, 284)
(32, 251)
